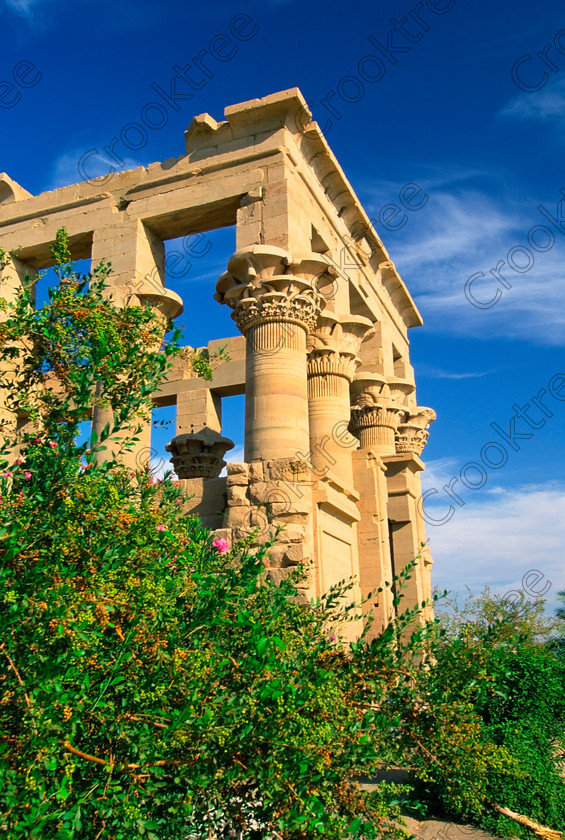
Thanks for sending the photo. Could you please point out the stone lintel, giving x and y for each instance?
(177, 196)
(228, 381)
(330, 495)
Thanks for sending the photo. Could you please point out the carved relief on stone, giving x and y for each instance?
(374, 414)
(401, 390)
(264, 284)
(199, 454)
(333, 346)
(412, 434)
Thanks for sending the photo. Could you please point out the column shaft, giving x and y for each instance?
(329, 412)
(276, 398)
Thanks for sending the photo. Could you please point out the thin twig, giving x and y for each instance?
(84, 755)
(19, 679)
(123, 768)
(428, 753)
(145, 719)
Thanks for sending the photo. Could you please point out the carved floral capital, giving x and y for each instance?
(333, 346)
(199, 454)
(265, 284)
(372, 408)
(412, 434)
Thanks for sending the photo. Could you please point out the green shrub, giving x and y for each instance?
(493, 658)
(153, 685)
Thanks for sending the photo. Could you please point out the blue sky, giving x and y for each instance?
(470, 106)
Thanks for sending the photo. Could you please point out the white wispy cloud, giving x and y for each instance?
(235, 456)
(22, 7)
(547, 104)
(497, 538)
(461, 232)
(431, 372)
(454, 224)
(65, 169)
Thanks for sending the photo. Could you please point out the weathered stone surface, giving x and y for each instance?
(286, 555)
(237, 468)
(237, 473)
(256, 471)
(237, 495)
(294, 470)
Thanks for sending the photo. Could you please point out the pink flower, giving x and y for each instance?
(222, 545)
(7, 474)
(161, 528)
(21, 495)
(333, 637)
(18, 461)
(53, 444)
(27, 475)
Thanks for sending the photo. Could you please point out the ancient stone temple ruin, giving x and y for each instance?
(333, 431)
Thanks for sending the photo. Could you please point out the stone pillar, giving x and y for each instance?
(404, 489)
(12, 278)
(375, 564)
(374, 419)
(197, 409)
(137, 256)
(275, 305)
(332, 361)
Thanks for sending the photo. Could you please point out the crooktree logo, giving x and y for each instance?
(519, 259)
(154, 115)
(529, 72)
(494, 453)
(25, 75)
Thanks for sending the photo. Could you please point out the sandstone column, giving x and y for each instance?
(332, 361)
(12, 278)
(275, 305)
(404, 489)
(137, 256)
(374, 419)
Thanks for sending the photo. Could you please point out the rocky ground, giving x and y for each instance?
(437, 830)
